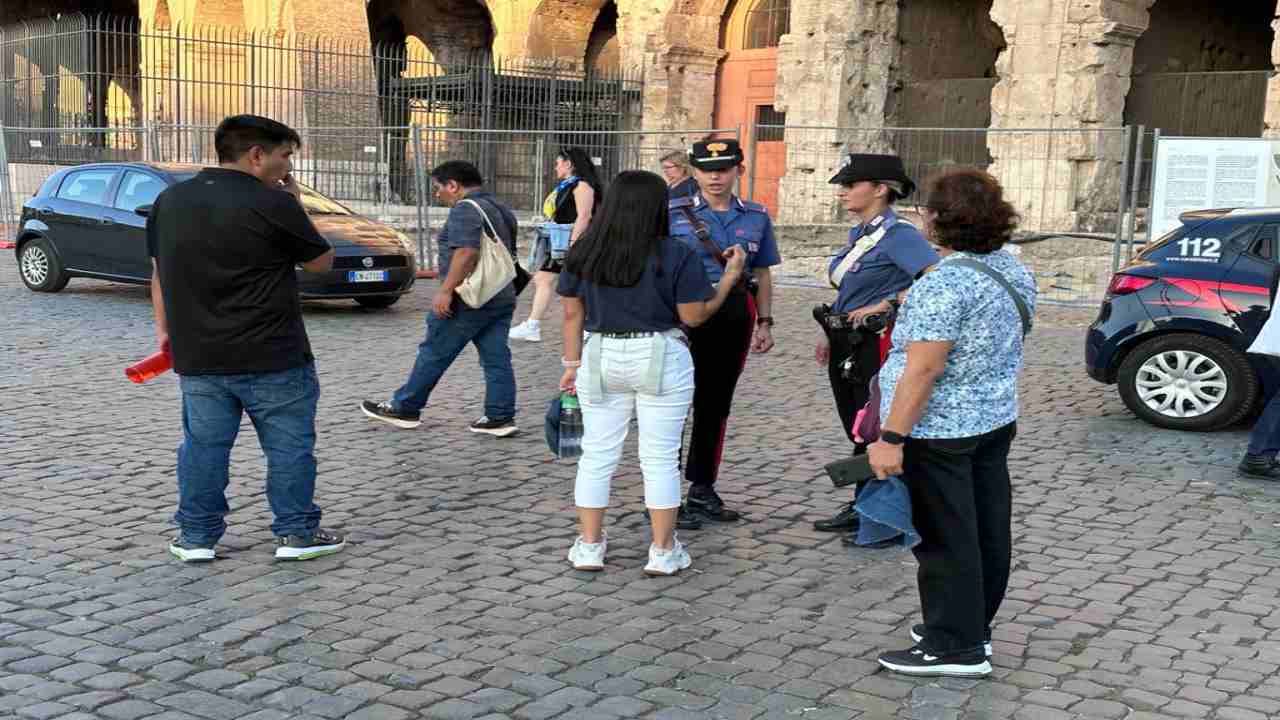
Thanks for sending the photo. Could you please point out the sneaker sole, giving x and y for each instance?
(496, 432)
(659, 573)
(916, 638)
(402, 424)
(310, 553)
(589, 568)
(191, 556)
(981, 670)
(526, 339)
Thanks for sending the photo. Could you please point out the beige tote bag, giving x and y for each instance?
(495, 270)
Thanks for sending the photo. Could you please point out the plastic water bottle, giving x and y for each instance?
(570, 426)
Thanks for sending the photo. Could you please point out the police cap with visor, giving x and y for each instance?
(716, 154)
(887, 169)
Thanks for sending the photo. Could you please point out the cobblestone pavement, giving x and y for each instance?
(1145, 583)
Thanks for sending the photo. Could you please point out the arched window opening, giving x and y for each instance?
(767, 22)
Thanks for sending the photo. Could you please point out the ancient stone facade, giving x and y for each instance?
(1020, 68)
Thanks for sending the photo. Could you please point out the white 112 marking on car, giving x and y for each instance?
(1202, 249)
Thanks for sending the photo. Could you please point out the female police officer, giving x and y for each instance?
(884, 255)
(711, 221)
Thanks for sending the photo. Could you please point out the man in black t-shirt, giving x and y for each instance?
(474, 214)
(223, 246)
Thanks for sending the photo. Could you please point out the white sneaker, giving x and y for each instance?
(667, 562)
(588, 556)
(528, 331)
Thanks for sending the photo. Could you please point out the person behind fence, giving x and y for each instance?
(225, 293)
(712, 221)
(631, 288)
(675, 168)
(883, 256)
(573, 202)
(949, 409)
(474, 214)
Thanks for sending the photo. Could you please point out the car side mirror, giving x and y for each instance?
(143, 210)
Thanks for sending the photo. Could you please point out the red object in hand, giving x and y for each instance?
(150, 367)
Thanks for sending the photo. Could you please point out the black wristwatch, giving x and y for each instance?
(765, 320)
(892, 437)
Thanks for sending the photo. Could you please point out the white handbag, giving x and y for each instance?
(1268, 340)
(495, 270)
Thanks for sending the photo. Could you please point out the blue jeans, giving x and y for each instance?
(282, 407)
(487, 327)
(1265, 437)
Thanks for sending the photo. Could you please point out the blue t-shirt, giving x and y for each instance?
(464, 228)
(978, 389)
(745, 224)
(888, 268)
(650, 304)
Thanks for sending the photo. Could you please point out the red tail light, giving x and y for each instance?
(1122, 284)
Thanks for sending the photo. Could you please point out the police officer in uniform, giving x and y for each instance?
(883, 257)
(710, 221)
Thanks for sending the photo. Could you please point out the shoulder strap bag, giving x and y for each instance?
(495, 270)
(1023, 312)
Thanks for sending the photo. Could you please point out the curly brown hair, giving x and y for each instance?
(970, 212)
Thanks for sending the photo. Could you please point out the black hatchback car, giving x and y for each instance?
(1175, 324)
(90, 221)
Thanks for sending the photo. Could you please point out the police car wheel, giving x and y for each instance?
(1188, 382)
(40, 267)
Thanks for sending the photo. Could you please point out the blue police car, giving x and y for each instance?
(1175, 324)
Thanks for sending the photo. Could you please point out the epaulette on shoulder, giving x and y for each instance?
(685, 201)
(754, 207)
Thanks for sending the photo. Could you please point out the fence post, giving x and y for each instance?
(7, 224)
(755, 164)
(1123, 208)
(420, 192)
(1135, 191)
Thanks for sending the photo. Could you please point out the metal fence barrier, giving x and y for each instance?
(1073, 188)
(379, 172)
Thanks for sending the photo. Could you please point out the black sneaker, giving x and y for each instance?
(387, 413)
(917, 637)
(497, 428)
(298, 547)
(190, 552)
(1259, 466)
(918, 661)
(705, 503)
(846, 519)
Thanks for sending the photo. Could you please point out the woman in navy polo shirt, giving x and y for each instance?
(631, 288)
(883, 257)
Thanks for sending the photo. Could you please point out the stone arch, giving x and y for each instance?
(603, 52)
(754, 24)
(941, 83)
(162, 19)
(1201, 68)
(562, 29)
(452, 30)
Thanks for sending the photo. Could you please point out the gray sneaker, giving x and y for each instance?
(190, 552)
(297, 547)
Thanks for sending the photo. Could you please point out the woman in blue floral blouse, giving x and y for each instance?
(950, 405)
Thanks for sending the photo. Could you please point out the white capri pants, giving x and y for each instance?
(629, 369)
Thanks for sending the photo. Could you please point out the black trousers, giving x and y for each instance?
(851, 394)
(961, 504)
(719, 348)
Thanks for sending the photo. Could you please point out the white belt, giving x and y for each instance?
(652, 383)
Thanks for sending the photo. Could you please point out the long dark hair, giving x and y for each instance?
(582, 167)
(625, 234)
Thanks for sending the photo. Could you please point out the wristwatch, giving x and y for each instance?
(765, 320)
(892, 437)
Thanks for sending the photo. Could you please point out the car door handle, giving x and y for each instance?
(44, 211)
(107, 221)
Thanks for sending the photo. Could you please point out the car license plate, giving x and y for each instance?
(367, 276)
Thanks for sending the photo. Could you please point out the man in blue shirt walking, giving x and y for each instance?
(711, 221)
(451, 324)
